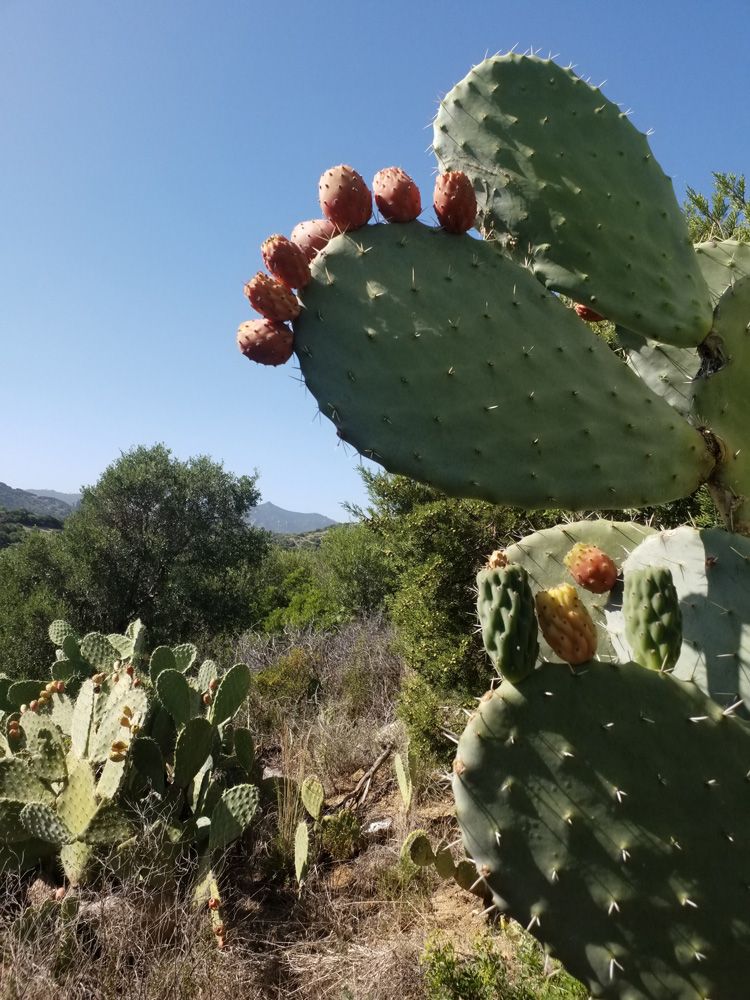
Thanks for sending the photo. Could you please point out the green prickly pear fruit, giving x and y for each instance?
(285, 261)
(653, 619)
(396, 195)
(505, 606)
(454, 202)
(566, 624)
(271, 298)
(345, 199)
(591, 568)
(311, 236)
(265, 341)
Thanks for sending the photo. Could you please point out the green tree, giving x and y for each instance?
(32, 586)
(156, 538)
(724, 215)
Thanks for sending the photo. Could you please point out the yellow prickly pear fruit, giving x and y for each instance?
(119, 746)
(566, 624)
(116, 756)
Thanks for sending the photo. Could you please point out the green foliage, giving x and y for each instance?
(426, 710)
(289, 680)
(356, 573)
(15, 523)
(486, 974)
(292, 596)
(340, 834)
(155, 538)
(32, 589)
(723, 215)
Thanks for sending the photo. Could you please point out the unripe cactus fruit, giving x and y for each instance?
(311, 236)
(454, 202)
(213, 903)
(285, 261)
(23, 709)
(566, 624)
(207, 699)
(396, 195)
(653, 618)
(345, 199)
(271, 298)
(591, 568)
(505, 607)
(587, 314)
(33, 705)
(266, 342)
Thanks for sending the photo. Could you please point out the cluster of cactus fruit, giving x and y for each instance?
(604, 804)
(346, 203)
(117, 735)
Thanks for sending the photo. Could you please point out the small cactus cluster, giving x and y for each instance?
(122, 733)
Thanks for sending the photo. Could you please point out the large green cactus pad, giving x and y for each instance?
(722, 263)
(442, 360)
(561, 170)
(608, 810)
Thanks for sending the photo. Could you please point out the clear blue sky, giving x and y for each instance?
(149, 146)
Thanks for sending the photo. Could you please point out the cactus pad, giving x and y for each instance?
(563, 176)
(442, 360)
(232, 815)
(230, 694)
(606, 810)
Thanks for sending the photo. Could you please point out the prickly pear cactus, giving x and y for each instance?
(605, 809)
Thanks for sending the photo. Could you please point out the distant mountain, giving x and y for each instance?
(287, 522)
(12, 499)
(73, 499)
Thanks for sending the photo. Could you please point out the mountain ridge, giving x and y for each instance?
(266, 515)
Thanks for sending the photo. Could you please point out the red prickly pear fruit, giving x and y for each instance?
(285, 261)
(591, 568)
(130, 670)
(59, 893)
(207, 699)
(312, 236)
(454, 202)
(213, 903)
(587, 314)
(266, 342)
(396, 195)
(345, 199)
(60, 687)
(271, 298)
(213, 684)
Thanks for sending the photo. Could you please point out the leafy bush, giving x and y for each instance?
(340, 834)
(425, 711)
(487, 975)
